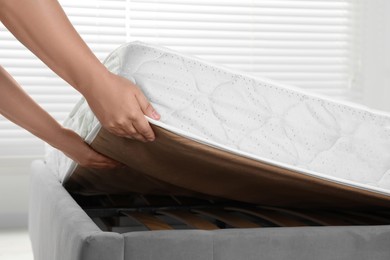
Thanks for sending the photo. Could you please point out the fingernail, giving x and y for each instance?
(155, 115)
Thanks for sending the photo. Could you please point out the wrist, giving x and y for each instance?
(61, 141)
(58, 139)
(92, 80)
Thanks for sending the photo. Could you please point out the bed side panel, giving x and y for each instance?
(59, 229)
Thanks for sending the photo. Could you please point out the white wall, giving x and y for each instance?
(14, 179)
(375, 53)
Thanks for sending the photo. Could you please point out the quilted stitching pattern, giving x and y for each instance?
(263, 118)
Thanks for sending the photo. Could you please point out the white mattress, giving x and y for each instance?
(252, 117)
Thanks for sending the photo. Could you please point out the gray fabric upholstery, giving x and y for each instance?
(304, 243)
(264, 243)
(59, 229)
(164, 245)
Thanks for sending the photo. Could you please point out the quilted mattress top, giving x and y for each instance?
(251, 117)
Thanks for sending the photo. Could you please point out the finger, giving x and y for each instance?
(143, 127)
(146, 107)
(106, 166)
(137, 136)
(109, 161)
(102, 162)
(132, 133)
(105, 162)
(103, 166)
(117, 131)
(140, 137)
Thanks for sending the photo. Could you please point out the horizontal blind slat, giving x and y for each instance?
(239, 19)
(190, 42)
(234, 10)
(251, 3)
(234, 27)
(290, 36)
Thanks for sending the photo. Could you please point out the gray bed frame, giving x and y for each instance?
(60, 230)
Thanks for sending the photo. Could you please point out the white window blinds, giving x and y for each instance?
(308, 43)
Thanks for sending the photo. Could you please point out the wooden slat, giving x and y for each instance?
(272, 216)
(227, 218)
(324, 218)
(189, 219)
(148, 220)
(317, 217)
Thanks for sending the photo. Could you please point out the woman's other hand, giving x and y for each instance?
(21, 109)
(79, 151)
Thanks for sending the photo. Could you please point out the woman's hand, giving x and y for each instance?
(18, 107)
(120, 107)
(118, 104)
(75, 148)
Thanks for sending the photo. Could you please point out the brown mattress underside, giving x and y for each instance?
(175, 165)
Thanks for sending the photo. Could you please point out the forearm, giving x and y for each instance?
(42, 26)
(18, 107)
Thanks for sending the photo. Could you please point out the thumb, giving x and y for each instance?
(146, 107)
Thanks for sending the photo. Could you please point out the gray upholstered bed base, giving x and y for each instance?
(60, 229)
